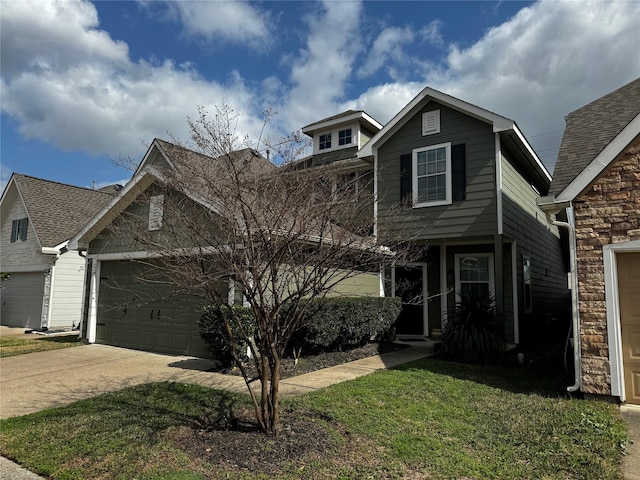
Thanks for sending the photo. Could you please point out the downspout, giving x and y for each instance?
(575, 308)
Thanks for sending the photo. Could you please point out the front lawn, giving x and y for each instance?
(427, 420)
(10, 346)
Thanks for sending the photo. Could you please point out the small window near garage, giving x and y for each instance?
(431, 122)
(344, 137)
(526, 282)
(19, 229)
(474, 275)
(324, 141)
(156, 212)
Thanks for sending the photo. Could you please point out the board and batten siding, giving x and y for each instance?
(474, 216)
(67, 290)
(537, 240)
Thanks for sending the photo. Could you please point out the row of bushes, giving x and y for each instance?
(329, 324)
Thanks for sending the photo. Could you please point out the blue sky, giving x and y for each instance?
(83, 84)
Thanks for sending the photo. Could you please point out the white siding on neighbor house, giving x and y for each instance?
(19, 253)
(67, 289)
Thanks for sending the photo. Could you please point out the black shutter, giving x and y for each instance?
(458, 172)
(14, 231)
(25, 227)
(405, 178)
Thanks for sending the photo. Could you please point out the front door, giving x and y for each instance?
(629, 298)
(409, 285)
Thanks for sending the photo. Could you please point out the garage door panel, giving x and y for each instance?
(21, 300)
(149, 316)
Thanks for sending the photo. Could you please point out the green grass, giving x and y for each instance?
(10, 346)
(429, 419)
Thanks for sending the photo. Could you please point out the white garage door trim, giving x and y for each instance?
(613, 313)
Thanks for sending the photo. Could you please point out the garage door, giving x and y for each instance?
(21, 300)
(144, 315)
(629, 296)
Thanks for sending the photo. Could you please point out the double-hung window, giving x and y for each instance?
(432, 175)
(474, 275)
(19, 229)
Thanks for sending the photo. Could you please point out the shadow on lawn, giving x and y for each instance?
(542, 373)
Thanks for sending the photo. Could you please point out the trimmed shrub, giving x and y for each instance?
(473, 332)
(345, 322)
(213, 331)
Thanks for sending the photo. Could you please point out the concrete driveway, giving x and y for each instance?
(35, 381)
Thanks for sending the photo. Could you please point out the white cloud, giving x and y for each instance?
(319, 72)
(431, 33)
(71, 85)
(546, 61)
(387, 48)
(224, 21)
(5, 176)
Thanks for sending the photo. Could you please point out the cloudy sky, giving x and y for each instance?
(85, 83)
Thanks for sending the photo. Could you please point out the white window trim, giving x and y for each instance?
(458, 256)
(425, 116)
(525, 259)
(335, 138)
(414, 176)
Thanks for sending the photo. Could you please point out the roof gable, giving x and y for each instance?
(56, 210)
(161, 158)
(428, 94)
(594, 135)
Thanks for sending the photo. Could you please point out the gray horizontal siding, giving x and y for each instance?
(476, 215)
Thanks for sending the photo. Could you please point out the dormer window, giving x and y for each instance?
(344, 137)
(325, 141)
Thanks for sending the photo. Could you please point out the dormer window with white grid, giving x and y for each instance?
(325, 141)
(431, 122)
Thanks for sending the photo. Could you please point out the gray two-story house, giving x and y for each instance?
(460, 183)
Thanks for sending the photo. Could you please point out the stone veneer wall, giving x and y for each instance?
(607, 212)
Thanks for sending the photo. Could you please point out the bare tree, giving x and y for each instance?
(282, 234)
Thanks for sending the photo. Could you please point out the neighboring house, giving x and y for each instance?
(598, 175)
(461, 183)
(45, 288)
(127, 312)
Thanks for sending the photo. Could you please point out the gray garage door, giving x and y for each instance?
(21, 300)
(146, 316)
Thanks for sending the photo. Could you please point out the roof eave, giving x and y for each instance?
(601, 161)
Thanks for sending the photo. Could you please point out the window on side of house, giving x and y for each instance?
(344, 137)
(19, 229)
(526, 282)
(324, 141)
(432, 175)
(474, 275)
(431, 122)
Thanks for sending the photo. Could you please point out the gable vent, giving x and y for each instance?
(431, 122)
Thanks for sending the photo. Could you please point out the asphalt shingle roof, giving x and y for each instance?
(590, 129)
(57, 210)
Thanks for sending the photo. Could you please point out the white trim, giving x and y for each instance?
(375, 197)
(51, 294)
(499, 122)
(335, 138)
(368, 121)
(456, 266)
(499, 208)
(532, 152)
(612, 301)
(602, 161)
(514, 288)
(92, 316)
(414, 176)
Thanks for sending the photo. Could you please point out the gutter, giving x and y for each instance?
(549, 207)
